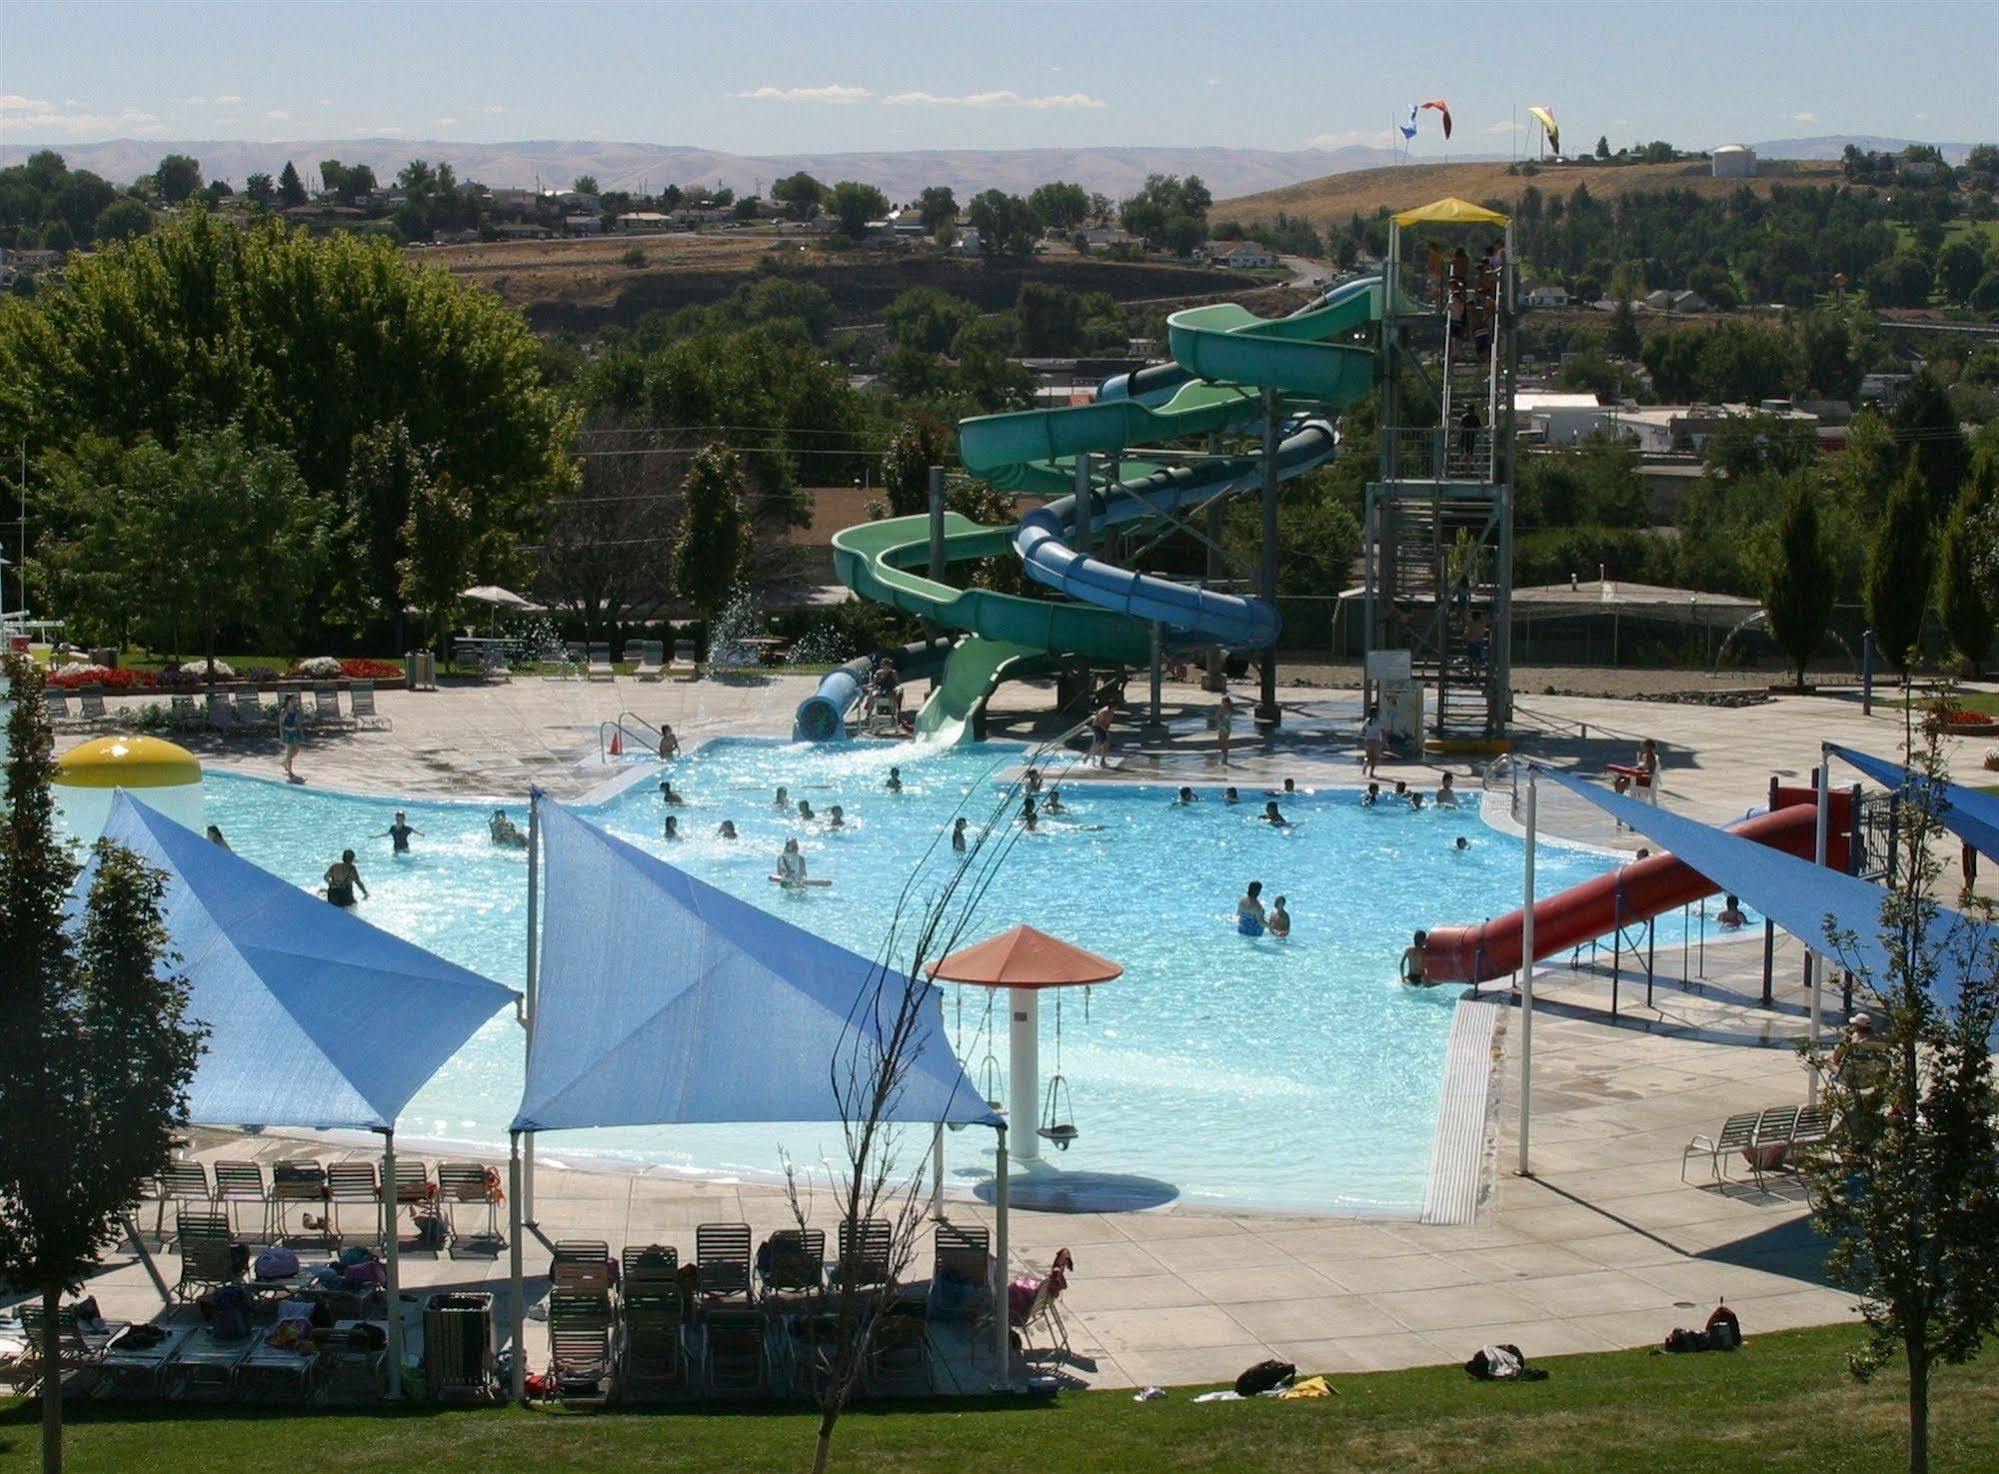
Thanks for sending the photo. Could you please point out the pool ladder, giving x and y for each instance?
(631, 726)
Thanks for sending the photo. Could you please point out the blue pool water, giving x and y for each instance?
(1286, 1074)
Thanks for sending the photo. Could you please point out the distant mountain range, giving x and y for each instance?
(553, 163)
(1832, 145)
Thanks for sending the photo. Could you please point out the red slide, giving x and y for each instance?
(1631, 893)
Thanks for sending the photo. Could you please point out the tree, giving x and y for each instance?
(925, 318)
(291, 189)
(585, 184)
(1964, 603)
(1003, 221)
(609, 547)
(123, 220)
(854, 205)
(715, 536)
(1602, 146)
(1623, 339)
(1899, 570)
(936, 207)
(1959, 266)
(1925, 424)
(1900, 281)
(800, 194)
(1798, 588)
(260, 189)
(438, 537)
(212, 534)
(333, 177)
(920, 442)
(1050, 320)
(98, 1051)
(1060, 205)
(1169, 211)
(179, 177)
(1907, 1187)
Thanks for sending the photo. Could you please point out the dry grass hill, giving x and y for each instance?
(1337, 197)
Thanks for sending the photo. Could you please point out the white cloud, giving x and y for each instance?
(278, 115)
(494, 108)
(74, 102)
(831, 93)
(387, 130)
(228, 119)
(196, 101)
(1214, 81)
(1502, 126)
(227, 99)
(32, 114)
(1804, 117)
(1351, 137)
(1002, 98)
(13, 102)
(445, 122)
(326, 102)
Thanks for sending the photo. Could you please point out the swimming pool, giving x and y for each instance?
(1294, 1074)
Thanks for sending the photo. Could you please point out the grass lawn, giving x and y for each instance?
(1785, 1402)
(1985, 701)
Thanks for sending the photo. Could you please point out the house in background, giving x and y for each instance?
(1547, 294)
(1241, 256)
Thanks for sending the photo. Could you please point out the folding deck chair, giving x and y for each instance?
(182, 1183)
(722, 1260)
(600, 668)
(961, 1272)
(326, 707)
(221, 718)
(579, 1343)
(203, 1367)
(651, 1354)
(652, 661)
(462, 1184)
(1736, 1133)
(137, 1356)
(865, 1251)
(243, 1182)
(736, 1352)
(351, 1183)
(249, 710)
(210, 1257)
(361, 707)
(298, 1182)
(796, 1265)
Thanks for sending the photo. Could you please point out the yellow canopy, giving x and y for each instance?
(1451, 211)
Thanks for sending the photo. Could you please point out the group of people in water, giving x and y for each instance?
(791, 864)
(343, 877)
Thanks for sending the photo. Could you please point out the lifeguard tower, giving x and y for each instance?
(1438, 530)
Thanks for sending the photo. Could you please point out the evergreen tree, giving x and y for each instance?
(439, 538)
(715, 539)
(1899, 569)
(97, 1052)
(1623, 339)
(1964, 603)
(1798, 590)
(291, 189)
(919, 443)
(1926, 427)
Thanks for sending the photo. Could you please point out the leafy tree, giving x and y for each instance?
(98, 1051)
(1959, 266)
(333, 175)
(123, 220)
(82, 198)
(439, 538)
(1059, 205)
(715, 537)
(303, 343)
(800, 194)
(387, 470)
(585, 184)
(179, 177)
(925, 318)
(1798, 587)
(1050, 319)
(1003, 221)
(57, 236)
(291, 188)
(1602, 146)
(936, 207)
(1907, 1188)
(216, 192)
(920, 442)
(347, 183)
(986, 371)
(1899, 569)
(260, 189)
(854, 205)
(1749, 445)
(609, 547)
(211, 534)
(1925, 424)
(1623, 339)
(1900, 281)
(1964, 602)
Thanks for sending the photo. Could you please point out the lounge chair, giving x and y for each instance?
(722, 1260)
(650, 1266)
(961, 1274)
(243, 1182)
(90, 706)
(1042, 1315)
(77, 1350)
(361, 708)
(899, 1350)
(276, 1373)
(181, 713)
(354, 1182)
(1772, 1143)
(1736, 1133)
(182, 1183)
(298, 1182)
(210, 1257)
(795, 1265)
(683, 654)
(203, 1367)
(137, 1356)
(600, 668)
(463, 1184)
(736, 1352)
(652, 661)
(220, 717)
(581, 1267)
(249, 710)
(579, 1343)
(866, 1249)
(326, 707)
(651, 1352)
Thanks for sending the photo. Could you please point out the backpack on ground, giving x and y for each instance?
(1263, 1377)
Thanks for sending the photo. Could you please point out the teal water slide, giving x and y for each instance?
(1229, 368)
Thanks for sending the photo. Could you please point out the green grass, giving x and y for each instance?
(1981, 701)
(1784, 1403)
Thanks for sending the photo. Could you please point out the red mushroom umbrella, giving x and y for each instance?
(1025, 961)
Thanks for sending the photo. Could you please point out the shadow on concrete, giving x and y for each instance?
(1082, 1192)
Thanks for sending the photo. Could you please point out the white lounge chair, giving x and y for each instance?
(652, 661)
(361, 707)
(220, 717)
(601, 668)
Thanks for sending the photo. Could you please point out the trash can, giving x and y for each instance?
(458, 1343)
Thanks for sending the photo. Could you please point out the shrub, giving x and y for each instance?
(319, 668)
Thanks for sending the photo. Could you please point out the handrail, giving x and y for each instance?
(617, 724)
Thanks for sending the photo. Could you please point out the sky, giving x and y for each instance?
(820, 76)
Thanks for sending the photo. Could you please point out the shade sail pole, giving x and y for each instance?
(1002, 1321)
(1526, 1168)
(517, 1367)
(523, 1194)
(937, 1170)
(1817, 955)
(392, 1251)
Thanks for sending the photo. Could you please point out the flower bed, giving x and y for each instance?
(362, 669)
(1970, 724)
(71, 677)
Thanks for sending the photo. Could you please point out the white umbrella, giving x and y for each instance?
(499, 598)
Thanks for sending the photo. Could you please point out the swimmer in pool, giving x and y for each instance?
(805, 809)
(1447, 796)
(1186, 797)
(1415, 800)
(504, 833)
(215, 837)
(1229, 796)
(1249, 911)
(783, 799)
(1372, 797)
(1033, 777)
(726, 829)
(1271, 816)
(671, 829)
(1462, 844)
(1401, 788)
(342, 880)
(791, 864)
(1731, 918)
(1027, 814)
(836, 818)
(894, 784)
(958, 836)
(399, 832)
(1280, 919)
(668, 797)
(1289, 790)
(1412, 959)
(1053, 803)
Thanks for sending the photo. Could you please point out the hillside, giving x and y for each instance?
(1364, 191)
(634, 166)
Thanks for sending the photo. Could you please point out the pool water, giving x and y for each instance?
(1295, 1074)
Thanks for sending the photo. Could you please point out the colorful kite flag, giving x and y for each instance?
(1409, 128)
(1547, 120)
(1445, 108)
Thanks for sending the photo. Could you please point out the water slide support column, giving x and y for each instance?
(1217, 677)
(1024, 1074)
(1823, 778)
(1526, 1168)
(930, 628)
(1155, 726)
(1268, 714)
(1083, 540)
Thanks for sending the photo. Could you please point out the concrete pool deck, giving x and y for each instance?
(1603, 1248)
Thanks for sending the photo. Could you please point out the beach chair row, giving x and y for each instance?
(738, 1322)
(303, 1199)
(651, 661)
(1775, 1139)
(223, 711)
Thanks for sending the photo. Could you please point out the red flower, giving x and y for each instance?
(370, 670)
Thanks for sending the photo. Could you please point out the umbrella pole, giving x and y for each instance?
(524, 1190)
(1002, 1319)
(1815, 957)
(517, 1367)
(1024, 1067)
(391, 1249)
(1526, 1168)
(937, 1170)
